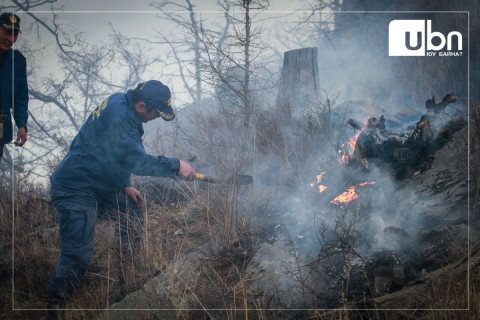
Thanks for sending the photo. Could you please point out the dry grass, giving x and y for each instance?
(222, 224)
(221, 282)
(205, 222)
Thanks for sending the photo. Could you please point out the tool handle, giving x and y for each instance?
(203, 177)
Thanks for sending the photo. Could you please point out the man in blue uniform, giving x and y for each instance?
(13, 82)
(95, 174)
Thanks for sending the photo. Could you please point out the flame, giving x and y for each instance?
(344, 151)
(344, 154)
(319, 177)
(353, 140)
(350, 194)
(321, 187)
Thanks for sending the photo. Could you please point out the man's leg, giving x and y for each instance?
(76, 219)
(128, 232)
(128, 236)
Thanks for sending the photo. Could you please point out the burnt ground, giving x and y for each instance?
(397, 233)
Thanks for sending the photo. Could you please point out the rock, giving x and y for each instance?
(415, 296)
(168, 290)
(444, 184)
(419, 299)
(179, 232)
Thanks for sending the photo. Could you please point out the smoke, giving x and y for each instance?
(285, 158)
(355, 62)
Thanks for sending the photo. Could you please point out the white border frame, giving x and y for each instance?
(275, 309)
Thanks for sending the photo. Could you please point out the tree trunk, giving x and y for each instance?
(299, 82)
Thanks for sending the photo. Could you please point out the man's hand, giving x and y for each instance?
(186, 172)
(135, 195)
(21, 137)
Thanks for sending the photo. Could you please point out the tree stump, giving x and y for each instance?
(299, 82)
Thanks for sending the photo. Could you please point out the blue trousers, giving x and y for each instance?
(77, 212)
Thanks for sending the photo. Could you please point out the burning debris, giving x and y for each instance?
(433, 107)
(400, 152)
(347, 148)
(409, 149)
(321, 187)
(350, 194)
(380, 244)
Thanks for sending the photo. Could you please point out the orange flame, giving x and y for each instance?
(344, 151)
(353, 140)
(350, 194)
(319, 177)
(321, 188)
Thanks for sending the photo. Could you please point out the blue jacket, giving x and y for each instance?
(106, 150)
(18, 101)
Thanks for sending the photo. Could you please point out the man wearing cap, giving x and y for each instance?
(13, 84)
(95, 174)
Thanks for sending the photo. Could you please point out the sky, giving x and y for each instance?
(140, 19)
(140, 5)
(349, 71)
(91, 15)
(97, 19)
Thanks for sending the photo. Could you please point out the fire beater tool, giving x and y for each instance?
(235, 179)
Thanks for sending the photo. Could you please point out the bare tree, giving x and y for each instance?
(87, 73)
(185, 45)
(230, 67)
(179, 47)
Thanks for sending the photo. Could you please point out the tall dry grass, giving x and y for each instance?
(223, 223)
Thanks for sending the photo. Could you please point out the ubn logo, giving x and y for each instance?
(414, 38)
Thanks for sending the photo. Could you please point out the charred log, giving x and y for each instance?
(433, 107)
(410, 150)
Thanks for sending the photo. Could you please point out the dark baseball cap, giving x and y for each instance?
(9, 21)
(157, 96)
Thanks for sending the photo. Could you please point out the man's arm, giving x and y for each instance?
(21, 137)
(20, 112)
(135, 195)
(129, 146)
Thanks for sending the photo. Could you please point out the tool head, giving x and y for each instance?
(239, 179)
